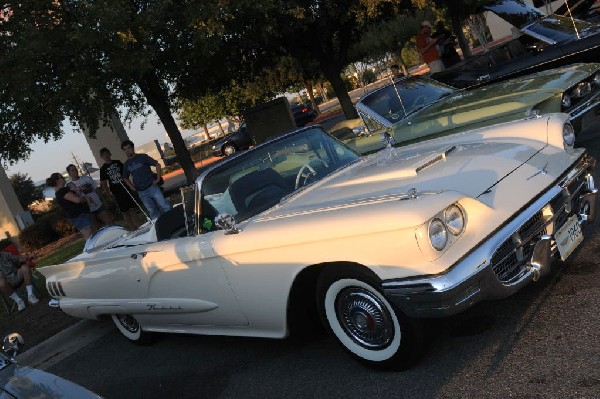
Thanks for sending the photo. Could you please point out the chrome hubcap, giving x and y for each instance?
(364, 318)
(129, 322)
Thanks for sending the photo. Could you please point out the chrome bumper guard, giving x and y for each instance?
(477, 277)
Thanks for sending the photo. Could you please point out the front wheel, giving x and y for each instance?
(128, 325)
(364, 322)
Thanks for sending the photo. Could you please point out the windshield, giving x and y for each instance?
(258, 179)
(406, 96)
(556, 29)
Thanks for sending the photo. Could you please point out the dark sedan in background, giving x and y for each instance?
(303, 113)
(545, 42)
(233, 142)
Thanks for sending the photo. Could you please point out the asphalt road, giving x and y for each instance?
(542, 342)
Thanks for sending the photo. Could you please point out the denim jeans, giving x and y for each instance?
(154, 201)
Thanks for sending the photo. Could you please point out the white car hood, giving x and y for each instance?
(467, 168)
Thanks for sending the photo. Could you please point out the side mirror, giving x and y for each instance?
(226, 222)
(12, 345)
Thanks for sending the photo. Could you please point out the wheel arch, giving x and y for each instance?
(302, 315)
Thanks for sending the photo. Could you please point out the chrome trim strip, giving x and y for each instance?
(579, 112)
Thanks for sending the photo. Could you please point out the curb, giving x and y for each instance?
(64, 343)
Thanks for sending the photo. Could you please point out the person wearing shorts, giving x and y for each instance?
(75, 207)
(85, 186)
(14, 270)
(111, 178)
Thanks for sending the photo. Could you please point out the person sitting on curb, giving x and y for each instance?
(13, 271)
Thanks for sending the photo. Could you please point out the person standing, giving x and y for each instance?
(396, 72)
(86, 186)
(111, 178)
(428, 49)
(75, 206)
(145, 182)
(446, 43)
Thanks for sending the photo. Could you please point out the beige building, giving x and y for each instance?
(11, 213)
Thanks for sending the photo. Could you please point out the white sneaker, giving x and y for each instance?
(32, 299)
(20, 305)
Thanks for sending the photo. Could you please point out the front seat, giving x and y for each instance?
(256, 192)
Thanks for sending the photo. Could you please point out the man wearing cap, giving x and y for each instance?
(428, 49)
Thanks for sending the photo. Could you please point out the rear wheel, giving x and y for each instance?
(229, 149)
(128, 325)
(364, 322)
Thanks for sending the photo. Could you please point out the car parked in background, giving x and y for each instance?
(303, 113)
(545, 42)
(233, 142)
(26, 382)
(301, 225)
(413, 106)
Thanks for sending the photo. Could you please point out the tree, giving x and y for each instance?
(325, 30)
(26, 191)
(84, 60)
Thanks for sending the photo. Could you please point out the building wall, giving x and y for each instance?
(9, 207)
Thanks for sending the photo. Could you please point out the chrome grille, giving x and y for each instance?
(510, 259)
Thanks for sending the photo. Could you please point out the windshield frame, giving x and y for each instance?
(224, 164)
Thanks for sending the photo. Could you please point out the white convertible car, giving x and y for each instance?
(302, 225)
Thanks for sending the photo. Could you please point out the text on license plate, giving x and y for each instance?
(568, 237)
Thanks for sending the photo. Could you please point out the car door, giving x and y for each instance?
(185, 284)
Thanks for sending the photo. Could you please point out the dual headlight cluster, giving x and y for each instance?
(580, 90)
(447, 224)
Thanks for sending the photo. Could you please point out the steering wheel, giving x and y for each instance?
(418, 101)
(306, 171)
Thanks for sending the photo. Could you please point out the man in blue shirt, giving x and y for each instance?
(145, 182)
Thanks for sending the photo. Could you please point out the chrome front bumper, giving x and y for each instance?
(481, 274)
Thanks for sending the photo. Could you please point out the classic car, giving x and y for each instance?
(24, 382)
(545, 42)
(414, 105)
(302, 225)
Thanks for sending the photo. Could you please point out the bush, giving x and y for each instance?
(37, 236)
(57, 220)
(369, 77)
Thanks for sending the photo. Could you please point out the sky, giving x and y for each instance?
(54, 156)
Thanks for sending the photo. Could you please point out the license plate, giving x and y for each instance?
(568, 237)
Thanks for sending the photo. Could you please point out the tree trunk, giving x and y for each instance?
(462, 40)
(157, 98)
(309, 90)
(206, 131)
(333, 75)
(221, 127)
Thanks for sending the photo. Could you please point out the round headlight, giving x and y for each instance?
(597, 78)
(438, 235)
(566, 101)
(455, 219)
(568, 136)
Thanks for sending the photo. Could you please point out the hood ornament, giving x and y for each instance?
(542, 171)
(412, 193)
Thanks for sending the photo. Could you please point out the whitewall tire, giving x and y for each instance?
(129, 327)
(364, 322)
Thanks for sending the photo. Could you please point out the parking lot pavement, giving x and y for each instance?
(64, 344)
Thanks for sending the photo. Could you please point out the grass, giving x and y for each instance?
(62, 254)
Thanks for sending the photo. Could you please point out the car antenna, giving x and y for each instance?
(572, 19)
(398, 94)
(137, 203)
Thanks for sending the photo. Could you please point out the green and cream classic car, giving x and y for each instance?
(302, 225)
(414, 106)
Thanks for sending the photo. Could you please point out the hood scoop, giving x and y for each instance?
(421, 161)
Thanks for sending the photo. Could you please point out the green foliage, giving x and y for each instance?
(26, 191)
(37, 236)
(46, 229)
(368, 77)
